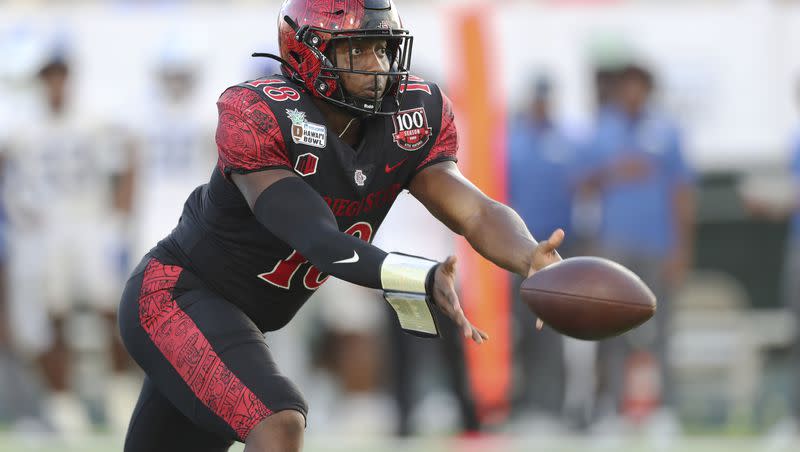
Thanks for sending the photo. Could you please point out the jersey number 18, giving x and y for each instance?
(284, 270)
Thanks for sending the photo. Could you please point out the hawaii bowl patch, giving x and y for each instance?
(306, 132)
(411, 130)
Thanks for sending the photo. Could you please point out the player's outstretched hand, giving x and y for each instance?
(546, 252)
(445, 297)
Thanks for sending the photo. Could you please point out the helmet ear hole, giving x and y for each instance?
(330, 56)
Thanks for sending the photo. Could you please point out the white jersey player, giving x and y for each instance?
(177, 154)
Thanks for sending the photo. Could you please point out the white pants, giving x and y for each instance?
(51, 272)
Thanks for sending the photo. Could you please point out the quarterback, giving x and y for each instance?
(310, 161)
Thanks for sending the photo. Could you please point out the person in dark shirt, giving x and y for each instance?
(310, 162)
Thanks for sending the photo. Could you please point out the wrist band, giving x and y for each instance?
(405, 273)
(407, 281)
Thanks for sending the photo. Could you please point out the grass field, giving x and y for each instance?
(105, 443)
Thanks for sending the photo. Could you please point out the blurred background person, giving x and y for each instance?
(20, 406)
(580, 357)
(27, 191)
(60, 204)
(20, 338)
(176, 151)
(606, 83)
(645, 188)
(116, 141)
(541, 163)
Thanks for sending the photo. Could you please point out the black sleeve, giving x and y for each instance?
(296, 214)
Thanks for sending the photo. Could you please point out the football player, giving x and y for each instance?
(310, 162)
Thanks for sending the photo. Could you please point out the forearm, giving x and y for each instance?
(498, 233)
(297, 215)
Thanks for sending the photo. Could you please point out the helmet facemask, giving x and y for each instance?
(398, 49)
(310, 32)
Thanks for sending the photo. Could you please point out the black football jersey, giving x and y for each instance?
(271, 123)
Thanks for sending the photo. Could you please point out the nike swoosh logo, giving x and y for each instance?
(352, 260)
(389, 169)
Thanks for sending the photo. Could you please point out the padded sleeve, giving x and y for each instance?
(292, 211)
(248, 135)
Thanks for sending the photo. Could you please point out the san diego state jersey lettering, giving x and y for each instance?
(273, 124)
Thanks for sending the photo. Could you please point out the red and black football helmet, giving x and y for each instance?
(308, 28)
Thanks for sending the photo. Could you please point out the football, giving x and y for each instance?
(588, 298)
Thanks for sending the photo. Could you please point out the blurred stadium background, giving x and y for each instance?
(107, 118)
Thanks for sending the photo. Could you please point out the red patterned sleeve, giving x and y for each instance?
(248, 136)
(446, 145)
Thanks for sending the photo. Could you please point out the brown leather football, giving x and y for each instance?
(588, 298)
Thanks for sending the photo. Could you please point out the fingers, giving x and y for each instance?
(446, 292)
(539, 324)
(554, 241)
(462, 322)
(467, 328)
(452, 305)
(453, 309)
(469, 331)
(457, 314)
(479, 336)
(449, 265)
(476, 336)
